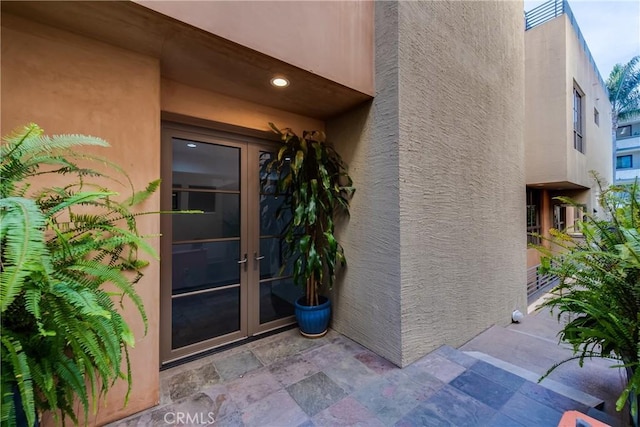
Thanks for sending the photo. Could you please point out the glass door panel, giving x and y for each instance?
(277, 292)
(206, 258)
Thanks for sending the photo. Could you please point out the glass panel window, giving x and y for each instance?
(578, 142)
(623, 131)
(199, 266)
(205, 166)
(277, 298)
(204, 316)
(624, 162)
(533, 216)
(221, 217)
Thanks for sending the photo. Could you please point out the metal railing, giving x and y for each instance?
(552, 9)
(538, 283)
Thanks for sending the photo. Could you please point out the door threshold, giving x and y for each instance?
(224, 347)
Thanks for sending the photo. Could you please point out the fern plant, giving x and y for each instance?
(69, 261)
(600, 286)
(318, 188)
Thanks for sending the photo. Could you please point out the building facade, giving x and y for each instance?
(567, 125)
(424, 101)
(628, 152)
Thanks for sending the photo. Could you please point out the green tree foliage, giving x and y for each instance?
(314, 179)
(69, 262)
(600, 285)
(623, 85)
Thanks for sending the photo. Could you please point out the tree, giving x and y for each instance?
(624, 91)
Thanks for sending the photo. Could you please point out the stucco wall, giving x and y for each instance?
(366, 299)
(598, 138)
(444, 133)
(555, 61)
(181, 99)
(546, 103)
(330, 38)
(462, 215)
(69, 84)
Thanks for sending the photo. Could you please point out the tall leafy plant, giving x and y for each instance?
(600, 286)
(318, 189)
(69, 262)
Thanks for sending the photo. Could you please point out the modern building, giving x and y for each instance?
(567, 125)
(424, 100)
(628, 152)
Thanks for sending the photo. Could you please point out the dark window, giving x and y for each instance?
(533, 216)
(596, 117)
(578, 141)
(623, 131)
(624, 162)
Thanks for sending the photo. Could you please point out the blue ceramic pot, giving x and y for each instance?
(313, 320)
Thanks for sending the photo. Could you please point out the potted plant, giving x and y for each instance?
(63, 339)
(314, 179)
(600, 286)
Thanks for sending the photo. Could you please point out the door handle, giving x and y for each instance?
(242, 261)
(256, 257)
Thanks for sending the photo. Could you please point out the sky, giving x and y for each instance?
(610, 27)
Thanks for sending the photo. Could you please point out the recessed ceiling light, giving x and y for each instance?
(191, 145)
(279, 82)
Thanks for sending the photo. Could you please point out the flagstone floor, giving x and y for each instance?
(287, 380)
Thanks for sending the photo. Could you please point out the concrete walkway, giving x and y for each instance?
(287, 380)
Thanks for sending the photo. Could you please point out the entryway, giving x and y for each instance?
(221, 269)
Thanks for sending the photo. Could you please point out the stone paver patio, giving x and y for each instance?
(287, 380)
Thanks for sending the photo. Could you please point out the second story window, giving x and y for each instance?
(578, 123)
(623, 131)
(624, 162)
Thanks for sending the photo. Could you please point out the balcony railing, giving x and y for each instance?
(552, 9)
(633, 142)
(537, 283)
(627, 174)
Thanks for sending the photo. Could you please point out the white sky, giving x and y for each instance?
(610, 27)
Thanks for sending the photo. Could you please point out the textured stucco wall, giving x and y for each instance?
(330, 38)
(367, 297)
(436, 242)
(462, 215)
(597, 138)
(70, 84)
(546, 103)
(555, 62)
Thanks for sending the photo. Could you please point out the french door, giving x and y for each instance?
(222, 275)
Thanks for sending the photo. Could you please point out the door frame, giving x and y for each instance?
(250, 148)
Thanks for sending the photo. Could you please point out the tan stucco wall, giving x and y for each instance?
(69, 84)
(461, 170)
(203, 104)
(330, 38)
(439, 263)
(554, 61)
(546, 103)
(598, 138)
(366, 300)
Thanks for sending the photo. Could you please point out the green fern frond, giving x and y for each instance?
(21, 231)
(13, 354)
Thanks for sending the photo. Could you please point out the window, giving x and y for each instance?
(565, 217)
(623, 131)
(533, 216)
(596, 116)
(578, 142)
(624, 162)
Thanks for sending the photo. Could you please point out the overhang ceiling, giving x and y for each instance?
(194, 57)
(561, 185)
